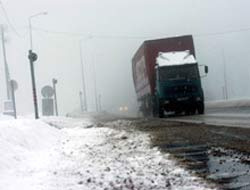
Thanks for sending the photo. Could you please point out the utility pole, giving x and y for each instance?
(83, 79)
(81, 102)
(100, 102)
(7, 75)
(95, 87)
(225, 75)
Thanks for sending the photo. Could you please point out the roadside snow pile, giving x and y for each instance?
(62, 122)
(121, 124)
(6, 117)
(36, 156)
(18, 138)
(105, 158)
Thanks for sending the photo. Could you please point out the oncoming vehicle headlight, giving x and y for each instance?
(125, 108)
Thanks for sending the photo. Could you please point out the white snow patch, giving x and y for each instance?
(68, 122)
(175, 58)
(35, 156)
(118, 123)
(6, 117)
(26, 148)
(20, 137)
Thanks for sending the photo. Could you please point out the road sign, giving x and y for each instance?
(47, 91)
(48, 106)
(32, 56)
(14, 84)
(54, 81)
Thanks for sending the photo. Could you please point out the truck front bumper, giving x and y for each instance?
(181, 103)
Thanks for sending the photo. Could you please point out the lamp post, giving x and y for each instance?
(81, 104)
(83, 79)
(33, 57)
(7, 74)
(82, 60)
(30, 26)
(54, 81)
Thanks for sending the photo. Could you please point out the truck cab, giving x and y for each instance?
(178, 84)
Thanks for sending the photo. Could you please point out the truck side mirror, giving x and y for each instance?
(206, 69)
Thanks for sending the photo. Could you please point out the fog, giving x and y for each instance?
(110, 32)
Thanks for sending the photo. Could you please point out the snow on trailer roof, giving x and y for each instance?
(175, 58)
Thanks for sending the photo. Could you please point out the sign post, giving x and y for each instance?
(54, 81)
(13, 85)
(33, 57)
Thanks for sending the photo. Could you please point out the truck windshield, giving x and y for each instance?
(189, 71)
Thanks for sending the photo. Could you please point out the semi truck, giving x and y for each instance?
(167, 78)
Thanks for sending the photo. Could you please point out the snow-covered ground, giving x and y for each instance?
(74, 154)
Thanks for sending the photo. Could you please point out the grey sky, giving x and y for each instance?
(59, 52)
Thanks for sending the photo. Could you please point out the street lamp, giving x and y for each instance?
(30, 26)
(54, 81)
(33, 57)
(82, 72)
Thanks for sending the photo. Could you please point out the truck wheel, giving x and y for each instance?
(200, 108)
(161, 112)
(192, 110)
(178, 112)
(187, 112)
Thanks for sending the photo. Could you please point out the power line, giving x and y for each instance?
(223, 32)
(9, 21)
(72, 34)
(109, 36)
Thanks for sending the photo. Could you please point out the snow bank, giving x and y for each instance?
(68, 122)
(6, 117)
(175, 58)
(18, 138)
(36, 156)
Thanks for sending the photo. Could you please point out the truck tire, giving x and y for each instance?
(192, 110)
(200, 108)
(161, 113)
(187, 112)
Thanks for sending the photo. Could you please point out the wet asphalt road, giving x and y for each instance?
(232, 117)
(221, 155)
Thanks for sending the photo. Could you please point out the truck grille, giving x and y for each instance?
(181, 89)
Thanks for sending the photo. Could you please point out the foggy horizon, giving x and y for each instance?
(111, 32)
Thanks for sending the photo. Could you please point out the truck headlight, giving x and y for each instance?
(198, 99)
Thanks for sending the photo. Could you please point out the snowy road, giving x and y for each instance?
(74, 154)
(232, 117)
